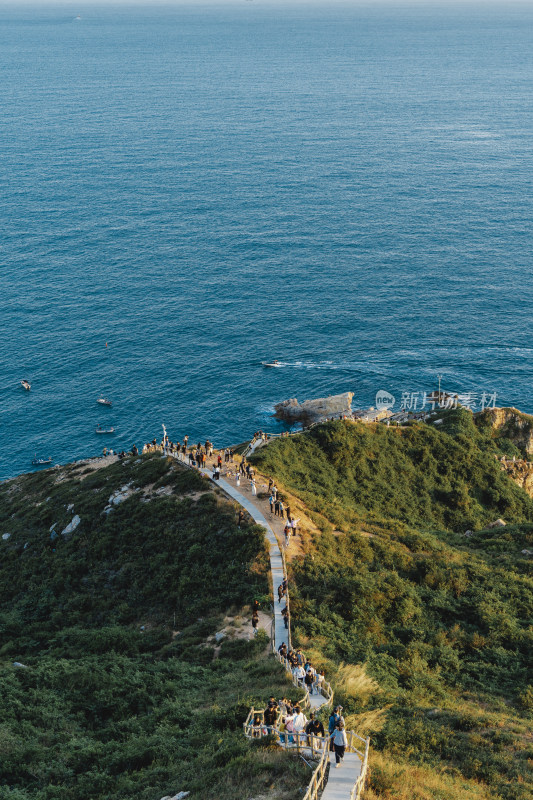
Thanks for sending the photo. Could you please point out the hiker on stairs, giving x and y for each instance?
(340, 742)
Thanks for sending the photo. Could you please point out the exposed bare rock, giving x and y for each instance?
(521, 472)
(336, 405)
(511, 423)
(121, 494)
(71, 527)
(178, 796)
(498, 523)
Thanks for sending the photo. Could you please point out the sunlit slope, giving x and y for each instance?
(444, 476)
(440, 624)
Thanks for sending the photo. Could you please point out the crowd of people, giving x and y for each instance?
(197, 455)
(302, 670)
(279, 509)
(285, 719)
(120, 455)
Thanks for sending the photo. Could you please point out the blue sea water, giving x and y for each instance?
(189, 190)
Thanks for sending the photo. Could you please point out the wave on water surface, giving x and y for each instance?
(304, 225)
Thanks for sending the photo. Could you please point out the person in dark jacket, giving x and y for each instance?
(333, 721)
(314, 726)
(270, 717)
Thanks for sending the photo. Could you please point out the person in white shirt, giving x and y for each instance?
(319, 682)
(300, 674)
(299, 724)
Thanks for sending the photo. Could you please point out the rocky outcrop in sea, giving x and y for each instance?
(309, 411)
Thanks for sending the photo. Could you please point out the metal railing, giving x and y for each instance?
(318, 778)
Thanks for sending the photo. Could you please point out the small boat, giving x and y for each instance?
(26, 385)
(41, 462)
(274, 363)
(99, 429)
(104, 401)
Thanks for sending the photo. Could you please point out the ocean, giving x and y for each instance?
(187, 191)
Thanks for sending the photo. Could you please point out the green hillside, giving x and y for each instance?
(122, 694)
(441, 625)
(442, 476)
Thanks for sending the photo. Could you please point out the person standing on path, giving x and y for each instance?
(254, 487)
(287, 532)
(270, 717)
(300, 675)
(309, 679)
(255, 620)
(299, 723)
(340, 743)
(332, 724)
(238, 478)
(314, 727)
(319, 681)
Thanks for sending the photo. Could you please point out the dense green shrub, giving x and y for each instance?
(442, 621)
(120, 696)
(444, 478)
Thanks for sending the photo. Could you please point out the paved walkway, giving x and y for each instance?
(342, 780)
(276, 562)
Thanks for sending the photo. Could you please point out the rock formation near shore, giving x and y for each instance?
(512, 424)
(309, 411)
(521, 472)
